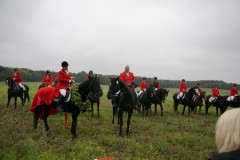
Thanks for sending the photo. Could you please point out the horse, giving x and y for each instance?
(235, 103)
(44, 105)
(145, 99)
(187, 101)
(126, 100)
(92, 91)
(219, 103)
(198, 101)
(15, 91)
(159, 97)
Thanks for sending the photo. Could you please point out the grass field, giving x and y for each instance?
(170, 136)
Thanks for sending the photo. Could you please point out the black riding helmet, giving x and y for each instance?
(48, 71)
(15, 69)
(64, 64)
(90, 72)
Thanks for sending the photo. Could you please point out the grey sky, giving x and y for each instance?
(170, 39)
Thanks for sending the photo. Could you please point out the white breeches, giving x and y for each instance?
(180, 95)
(212, 99)
(22, 86)
(230, 98)
(63, 92)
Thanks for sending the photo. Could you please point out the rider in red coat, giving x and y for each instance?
(143, 86)
(47, 79)
(182, 89)
(233, 93)
(215, 93)
(198, 89)
(64, 79)
(17, 77)
(128, 77)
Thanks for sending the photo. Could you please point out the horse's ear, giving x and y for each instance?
(168, 90)
(117, 78)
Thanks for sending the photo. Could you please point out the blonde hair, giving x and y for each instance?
(228, 131)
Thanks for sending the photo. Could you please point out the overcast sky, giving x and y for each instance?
(170, 39)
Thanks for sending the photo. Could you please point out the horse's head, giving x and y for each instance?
(95, 88)
(113, 87)
(203, 94)
(11, 83)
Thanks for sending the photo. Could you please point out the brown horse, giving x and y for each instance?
(198, 101)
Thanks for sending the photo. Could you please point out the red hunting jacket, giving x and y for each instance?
(183, 87)
(127, 78)
(63, 80)
(199, 89)
(18, 77)
(215, 92)
(47, 79)
(143, 86)
(233, 91)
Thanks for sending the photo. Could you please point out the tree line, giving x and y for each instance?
(36, 76)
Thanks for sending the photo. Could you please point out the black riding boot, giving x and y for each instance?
(59, 104)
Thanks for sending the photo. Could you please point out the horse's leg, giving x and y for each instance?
(98, 103)
(189, 109)
(143, 109)
(75, 114)
(199, 111)
(120, 116)
(92, 108)
(128, 121)
(9, 98)
(66, 120)
(23, 102)
(161, 108)
(216, 110)
(114, 113)
(206, 107)
(15, 102)
(45, 116)
(155, 105)
(36, 117)
(183, 109)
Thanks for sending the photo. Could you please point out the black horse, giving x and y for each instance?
(126, 101)
(219, 103)
(159, 97)
(92, 91)
(15, 91)
(145, 100)
(198, 101)
(47, 108)
(187, 101)
(235, 103)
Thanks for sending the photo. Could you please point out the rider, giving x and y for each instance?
(47, 79)
(128, 77)
(233, 93)
(17, 77)
(64, 79)
(155, 84)
(198, 91)
(182, 90)
(90, 75)
(143, 86)
(215, 93)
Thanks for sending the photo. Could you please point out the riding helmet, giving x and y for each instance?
(64, 64)
(155, 78)
(183, 80)
(90, 72)
(144, 78)
(48, 71)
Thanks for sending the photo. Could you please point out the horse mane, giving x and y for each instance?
(124, 85)
(83, 84)
(192, 90)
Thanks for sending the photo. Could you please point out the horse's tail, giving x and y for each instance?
(26, 94)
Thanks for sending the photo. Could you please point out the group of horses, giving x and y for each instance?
(123, 99)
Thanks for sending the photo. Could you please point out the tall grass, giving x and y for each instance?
(170, 136)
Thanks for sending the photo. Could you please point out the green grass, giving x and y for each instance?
(170, 136)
